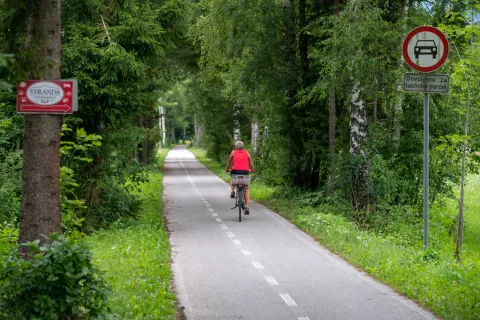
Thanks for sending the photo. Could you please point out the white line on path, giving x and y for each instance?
(207, 205)
(303, 318)
(237, 242)
(210, 209)
(218, 219)
(230, 234)
(288, 300)
(224, 227)
(246, 252)
(257, 265)
(214, 214)
(205, 201)
(272, 281)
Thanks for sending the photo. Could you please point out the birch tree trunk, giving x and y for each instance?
(161, 125)
(236, 123)
(255, 134)
(40, 210)
(360, 194)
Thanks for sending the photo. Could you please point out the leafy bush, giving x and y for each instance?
(8, 239)
(56, 281)
(116, 203)
(76, 154)
(10, 188)
(10, 164)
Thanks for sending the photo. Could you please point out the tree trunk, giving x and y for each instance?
(331, 128)
(459, 237)
(198, 131)
(303, 43)
(40, 211)
(331, 143)
(146, 147)
(161, 125)
(294, 159)
(172, 131)
(255, 135)
(398, 103)
(358, 132)
(236, 122)
(290, 53)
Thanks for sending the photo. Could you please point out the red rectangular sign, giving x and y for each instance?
(47, 96)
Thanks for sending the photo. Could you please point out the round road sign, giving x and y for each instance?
(425, 49)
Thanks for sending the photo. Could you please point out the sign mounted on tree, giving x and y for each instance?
(47, 96)
(425, 49)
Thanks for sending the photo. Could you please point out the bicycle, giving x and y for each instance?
(240, 181)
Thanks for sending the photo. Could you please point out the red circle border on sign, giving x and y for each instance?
(411, 34)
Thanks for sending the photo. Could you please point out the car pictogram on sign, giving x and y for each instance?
(424, 47)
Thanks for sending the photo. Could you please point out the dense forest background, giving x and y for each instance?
(313, 87)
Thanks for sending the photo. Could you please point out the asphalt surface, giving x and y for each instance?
(263, 267)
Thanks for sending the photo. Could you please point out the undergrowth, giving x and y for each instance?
(135, 255)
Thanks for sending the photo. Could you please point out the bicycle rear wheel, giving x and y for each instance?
(240, 203)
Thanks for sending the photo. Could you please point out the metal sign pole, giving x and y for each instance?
(426, 126)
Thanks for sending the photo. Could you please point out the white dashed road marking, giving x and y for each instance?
(211, 210)
(288, 300)
(218, 219)
(246, 252)
(257, 265)
(214, 214)
(303, 318)
(224, 227)
(271, 280)
(237, 242)
(230, 234)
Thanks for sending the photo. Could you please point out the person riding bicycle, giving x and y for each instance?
(241, 163)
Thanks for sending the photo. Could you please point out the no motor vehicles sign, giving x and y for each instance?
(425, 49)
(49, 96)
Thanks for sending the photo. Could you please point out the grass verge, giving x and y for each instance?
(135, 256)
(433, 278)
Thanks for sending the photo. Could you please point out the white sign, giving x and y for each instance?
(425, 49)
(44, 93)
(430, 83)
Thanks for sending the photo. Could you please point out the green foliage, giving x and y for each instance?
(57, 281)
(4, 85)
(8, 239)
(10, 165)
(135, 256)
(75, 156)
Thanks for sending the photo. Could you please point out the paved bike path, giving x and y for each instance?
(260, 268)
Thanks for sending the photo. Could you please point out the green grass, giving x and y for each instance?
(135, 256)
(433, 278)
(472, 214)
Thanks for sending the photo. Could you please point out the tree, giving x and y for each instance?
(40, 212)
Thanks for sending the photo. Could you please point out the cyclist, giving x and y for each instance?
(241, 163)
